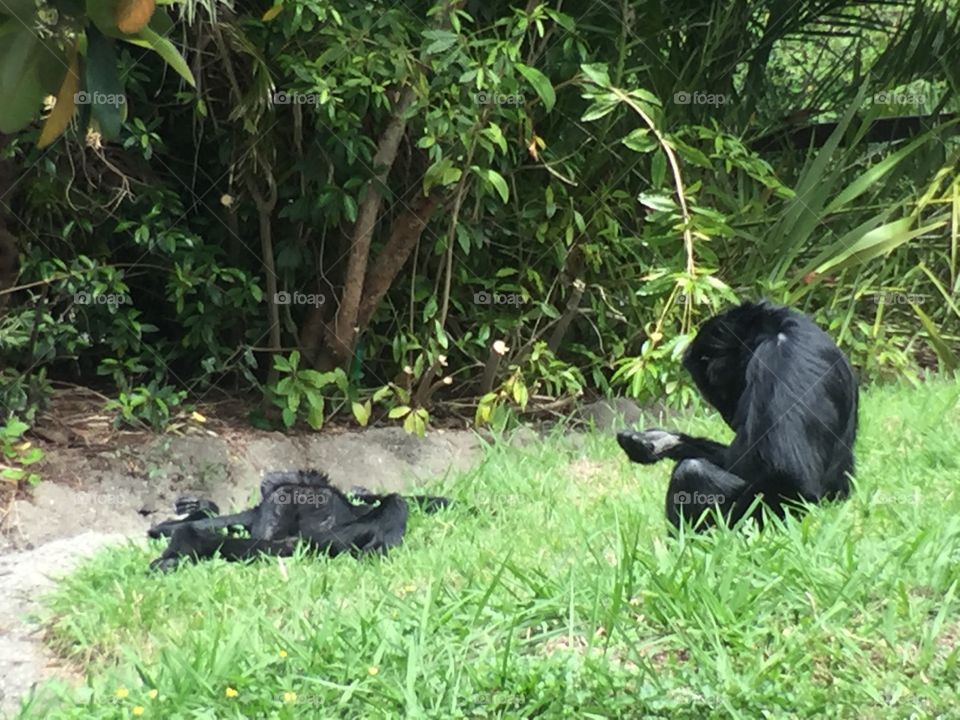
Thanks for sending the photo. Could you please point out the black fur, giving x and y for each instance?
(788, 392)
(294, 506)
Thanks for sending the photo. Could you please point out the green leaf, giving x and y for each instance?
(315, 415)
(420, 428)
(12, 474)
(20, 87)
(600, 107)
(13, 429)
(314, 399)
(875, 243)
(442, 40)
(946, 356)
(495, 179)
(24, 11)
(443, 172)
(692, 155)
(541, 83)
(657, 201)
(496, 135)
(415, 425)
(430, 308)
(293, 400)
(440, 334)
(450, 175)
(340, 380)
(658, 170)
(597, 73)
(875, 173)
(350, 208)
(520, 394)
(289, 417)
(940, 288)
(640, 140)
(361, 411)
(103, 15)
(317, 379)
(272, 13)
(398, 411)
(161, 23)
(104, 90)
(149, 38)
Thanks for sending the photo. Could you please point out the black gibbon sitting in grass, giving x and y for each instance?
(295, 506)
(789, 394)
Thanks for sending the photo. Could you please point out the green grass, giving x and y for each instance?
(562, 594)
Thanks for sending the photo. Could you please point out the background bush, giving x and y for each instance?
(570, 190)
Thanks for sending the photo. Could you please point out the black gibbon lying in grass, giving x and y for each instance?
(295, 506)
(789, 394)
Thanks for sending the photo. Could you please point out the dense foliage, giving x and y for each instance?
(392, 206)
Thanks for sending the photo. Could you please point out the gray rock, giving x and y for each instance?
(612, 414)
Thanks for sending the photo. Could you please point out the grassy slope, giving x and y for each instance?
(564, 596)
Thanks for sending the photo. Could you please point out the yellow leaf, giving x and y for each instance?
(520, 393)
(62, 112)
(133, 15)
(271, 13)
(398, 412)
(197, 417)
(361, 411)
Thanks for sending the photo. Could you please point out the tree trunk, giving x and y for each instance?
(571, 311)
(404, 235)
(265, 206)
(8, 241)
(8, 263)
(345, 324)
